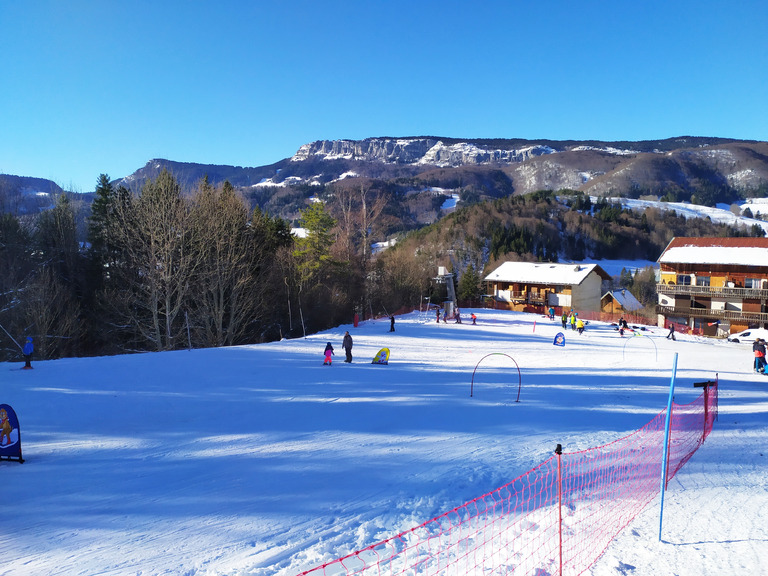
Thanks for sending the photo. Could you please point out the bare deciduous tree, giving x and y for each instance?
(157, 265)
(371, 207)
(225, 291)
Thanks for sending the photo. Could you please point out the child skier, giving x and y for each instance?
(28, 350)
(328, 353)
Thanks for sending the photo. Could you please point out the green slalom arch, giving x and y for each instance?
(519, 376)
(639, 337)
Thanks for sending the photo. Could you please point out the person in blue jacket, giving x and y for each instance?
(28, 349)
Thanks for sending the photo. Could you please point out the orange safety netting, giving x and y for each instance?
(554, 520)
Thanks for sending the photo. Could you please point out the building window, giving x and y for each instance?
(755, 283)
(702, 281)
(684, 279)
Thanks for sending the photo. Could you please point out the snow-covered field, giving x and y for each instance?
(721, 213)
(257, 460)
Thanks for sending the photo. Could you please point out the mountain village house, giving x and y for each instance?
(534, 287)
(715, 286)
(620, 302)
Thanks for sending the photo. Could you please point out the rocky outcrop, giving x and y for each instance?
(425, 151)
(390, 150)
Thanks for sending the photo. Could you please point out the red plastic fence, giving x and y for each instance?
(554, 520)
(609, 317)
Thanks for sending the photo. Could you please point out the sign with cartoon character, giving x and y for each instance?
(10, 435)
(382, 357)
(559, 339)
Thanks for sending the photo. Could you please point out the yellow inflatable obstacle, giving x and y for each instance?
(382, 357)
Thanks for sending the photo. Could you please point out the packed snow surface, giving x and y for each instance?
(258, 460)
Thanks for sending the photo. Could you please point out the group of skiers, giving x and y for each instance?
(346, 343)
(569, 319)
(456, 316)
(622, 326)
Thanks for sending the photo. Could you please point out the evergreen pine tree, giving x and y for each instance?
(469, 284)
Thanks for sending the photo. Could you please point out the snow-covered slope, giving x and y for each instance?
(258, 460)
(721, 213)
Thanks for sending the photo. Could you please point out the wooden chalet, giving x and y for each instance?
(716, 286)
(534, 287)
(620, 302)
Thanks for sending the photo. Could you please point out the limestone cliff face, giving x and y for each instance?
(417, 151)
(391, 150)
(594, 167)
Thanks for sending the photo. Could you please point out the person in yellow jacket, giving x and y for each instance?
(580, 326)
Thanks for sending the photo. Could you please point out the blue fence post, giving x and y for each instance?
(665, 452)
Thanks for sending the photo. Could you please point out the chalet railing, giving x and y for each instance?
(712, 291)
(539, 298)
(738, 315)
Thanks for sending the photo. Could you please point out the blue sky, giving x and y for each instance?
(90, 87)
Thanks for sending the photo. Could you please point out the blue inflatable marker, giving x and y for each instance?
(559, 339)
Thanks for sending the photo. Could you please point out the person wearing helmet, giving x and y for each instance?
(328, 353)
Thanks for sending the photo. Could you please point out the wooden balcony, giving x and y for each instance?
(730, 315)
(723, 292)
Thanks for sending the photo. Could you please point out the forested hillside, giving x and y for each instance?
(543, 226)
(172, 267)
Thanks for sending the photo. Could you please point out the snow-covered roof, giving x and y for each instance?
(544, 273)
(625, 299)
(733, 251)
